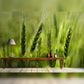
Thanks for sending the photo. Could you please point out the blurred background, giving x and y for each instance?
(60, 23)
(62, 31)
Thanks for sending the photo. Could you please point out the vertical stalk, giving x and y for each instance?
(11, 50)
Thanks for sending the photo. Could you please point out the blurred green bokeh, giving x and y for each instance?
(68, 14)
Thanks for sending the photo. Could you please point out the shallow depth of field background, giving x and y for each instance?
(67, 13)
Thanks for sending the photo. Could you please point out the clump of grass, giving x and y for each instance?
(36, 38)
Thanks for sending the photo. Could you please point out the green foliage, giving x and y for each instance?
(52, 63)
(4, 50)
(57, 22)
(23, 40)
(67, 42)
(55, 25)
(49, 46)
(39, 47)
(36, 38)
(49, 41)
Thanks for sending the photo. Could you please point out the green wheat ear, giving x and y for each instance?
(67, 42)
(36, 38)
(23, 40)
